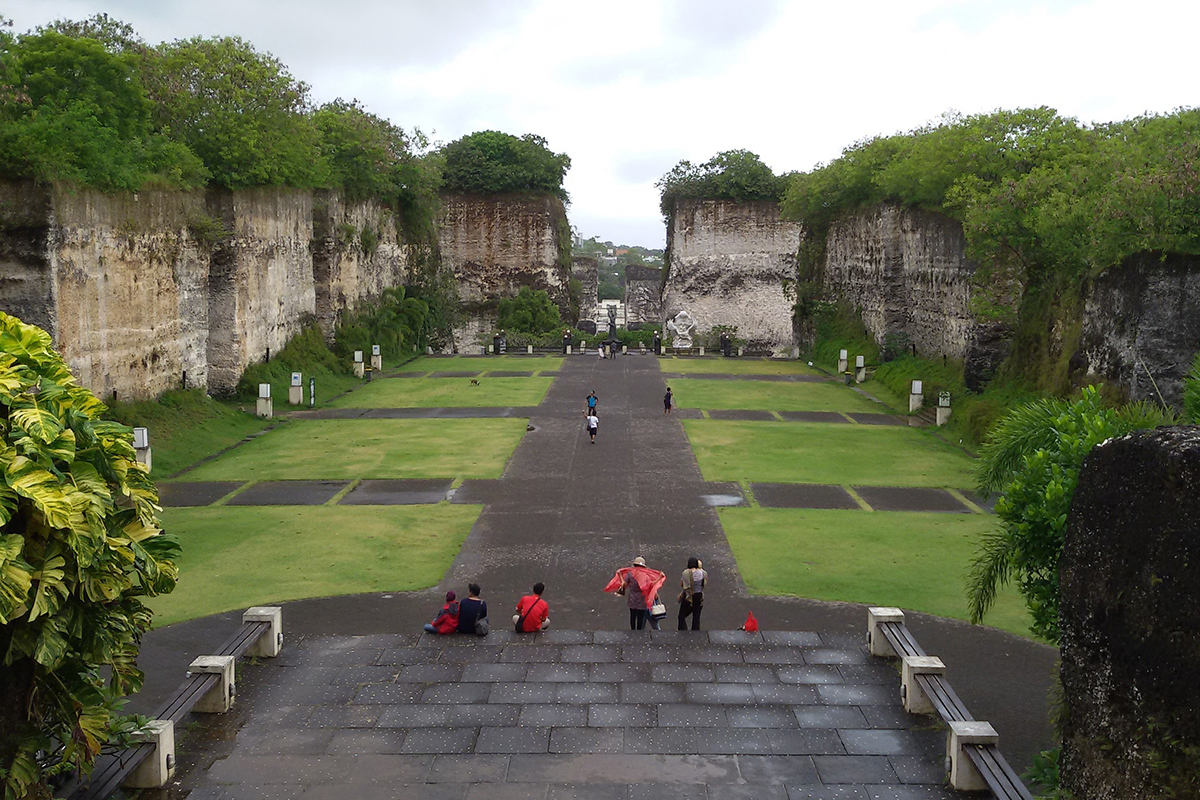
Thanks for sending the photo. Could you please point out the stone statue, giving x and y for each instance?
(682, 326)
(612, 319)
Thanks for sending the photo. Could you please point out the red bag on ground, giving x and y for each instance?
(751, 624)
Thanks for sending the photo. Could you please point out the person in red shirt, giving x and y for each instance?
(533, 613)
(446, 620)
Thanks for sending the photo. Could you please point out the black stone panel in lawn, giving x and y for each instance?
(289, 493)
(328, 413)
(407, 375)
(897, 498)
(721, 376)
(813, 416)
(507, 374)
(802, 495)
(397, 492)
(741, 414)
(454, 375)
(878, 419)
(497, 412)
(198, 493)
(988, 505)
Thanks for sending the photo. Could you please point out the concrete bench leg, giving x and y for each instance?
(963, 775)
(159, 768)
(877, 642)
(914, 697)
(271, 642)
(219, 699)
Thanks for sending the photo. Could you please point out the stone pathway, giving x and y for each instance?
(569, 513)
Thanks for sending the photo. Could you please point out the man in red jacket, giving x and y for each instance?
(533, 613)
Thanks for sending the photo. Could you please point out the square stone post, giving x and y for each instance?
(271, 642)
(877, 642)
(915, 399)
(264, 408)
(914, 697)
(964, 777)
(159, 766)
(219, 699)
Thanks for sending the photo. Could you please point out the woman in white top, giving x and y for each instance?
(691, 599)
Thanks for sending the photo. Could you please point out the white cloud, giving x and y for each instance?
(629, 87)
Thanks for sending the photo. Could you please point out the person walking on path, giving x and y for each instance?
(591, 401)
(447, 619)
(640, 585)
(593, 422)
(533, 613)
(691, 599)
(668, 400)
(471, 610)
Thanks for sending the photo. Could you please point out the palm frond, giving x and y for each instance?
(989, 571)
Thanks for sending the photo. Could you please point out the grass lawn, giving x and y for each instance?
(482, 364)
(446, 392)
(736, 366)
(240, 557)
(796, 452)
(331, 449)
(770, 396)
(910, 560)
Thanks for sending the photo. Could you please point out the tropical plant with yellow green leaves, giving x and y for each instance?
(80, 546)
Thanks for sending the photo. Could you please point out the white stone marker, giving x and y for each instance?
(296, 390)
(624, 349)
(860, 369)
(271, 642)
(963, 775)
(914, 697)
(915, 398)
(843, 361)
(358, 364)
(701, 351)
(529, 349)
(376, 358)
(876, 615)
(943, 408)
(159, 767)
(141, 447)
(491, 349)
(265, 409)
(740, 351)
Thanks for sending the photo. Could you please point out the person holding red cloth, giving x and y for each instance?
(640, 585)
(533, 613)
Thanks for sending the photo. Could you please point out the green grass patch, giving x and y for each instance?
(186, 426)
(735, 366)
(796, 452)
(770, 396)
(447, 393)
(480, 364)
(916, 561)
(331, 449)
(308, 354)
(237, 557)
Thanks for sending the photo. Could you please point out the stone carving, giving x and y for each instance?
(682, 326)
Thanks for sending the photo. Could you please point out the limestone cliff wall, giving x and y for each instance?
(732, 264)
(495, 245)
(1141, 325)
(643, 294)
(587, 271)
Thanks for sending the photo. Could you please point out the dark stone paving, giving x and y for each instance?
(396, 492)
(801, 495)
(742, 415)
(988, 505)
(721, 376)
(508, 374)
(569, 513)
(814, 416)
(878, 419)
(895, 498)
(454, 374)
(198, 493)
(289, 493)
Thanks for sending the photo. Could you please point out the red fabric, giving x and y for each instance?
(536, 616)
(751, 623)
(648, 580)
(447, 620)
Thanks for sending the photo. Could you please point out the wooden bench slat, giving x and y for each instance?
(901, 639)
(947, 703)
(996, 772)
(104, 781)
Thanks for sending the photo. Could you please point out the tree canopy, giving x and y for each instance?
(491, 162)
(737, 175)
(531, 311)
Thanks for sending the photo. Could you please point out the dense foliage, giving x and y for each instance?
(737, 175)
(1031, 187)
(1191, 393)
(491, 162)
(80, 546)
(398, 322)
(1033, 459)
(531, 311)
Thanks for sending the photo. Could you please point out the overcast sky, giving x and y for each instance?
(627, 89)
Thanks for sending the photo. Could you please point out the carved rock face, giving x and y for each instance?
(682, 326)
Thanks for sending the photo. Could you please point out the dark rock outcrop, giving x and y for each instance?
(1130, 590)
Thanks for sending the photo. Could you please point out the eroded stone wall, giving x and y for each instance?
(906, 271)
(733, 264)
(496, 245)
(587, 271)
(643, 294)
(1130, 588)
(1141, 325)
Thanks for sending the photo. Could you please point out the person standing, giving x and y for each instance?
(691, 599)
(592, 400)
(593, 422)
(668, 400)
(640, 585)
(533, 613)
(471, 610)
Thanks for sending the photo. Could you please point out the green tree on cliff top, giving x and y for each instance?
(80, 547)
(491, 162)
(737, 175)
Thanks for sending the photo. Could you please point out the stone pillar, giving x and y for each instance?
(296, 390)
(264, 408)
(843, 361)
(915, 398)
(358, 364)
(860, 369)
(1129, 590)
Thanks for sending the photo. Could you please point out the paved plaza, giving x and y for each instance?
(363, 705)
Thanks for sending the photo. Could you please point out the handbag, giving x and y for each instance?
(481, 626)
(658, 610)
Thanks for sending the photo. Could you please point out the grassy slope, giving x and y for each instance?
(480, 364)
(236, 557)
(735, 366)
(912, 560)
(393, 448)
(446, 392)
(793, 452)
(770, 396)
